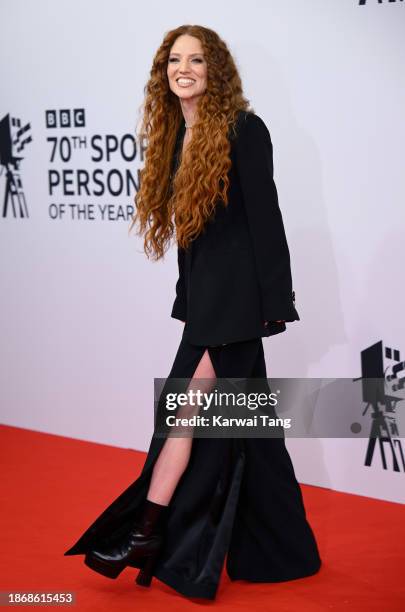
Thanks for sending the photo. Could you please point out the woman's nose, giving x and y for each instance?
(184, 67)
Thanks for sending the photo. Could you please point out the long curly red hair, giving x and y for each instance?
(201, 180)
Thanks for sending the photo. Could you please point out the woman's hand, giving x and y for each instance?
(265, 323)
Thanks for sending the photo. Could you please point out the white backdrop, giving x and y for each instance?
(85, 323)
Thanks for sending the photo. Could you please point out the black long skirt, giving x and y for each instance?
(237, 502)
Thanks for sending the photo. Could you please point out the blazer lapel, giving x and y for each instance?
(177, 149)
(175, 166)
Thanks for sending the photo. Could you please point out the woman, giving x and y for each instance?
(208, 175)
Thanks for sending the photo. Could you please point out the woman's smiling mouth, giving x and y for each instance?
(183, 82)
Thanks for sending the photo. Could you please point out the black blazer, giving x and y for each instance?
(236, 274)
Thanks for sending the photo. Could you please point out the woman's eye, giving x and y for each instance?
(175, 59)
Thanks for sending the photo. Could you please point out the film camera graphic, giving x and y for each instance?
(383, 383)
(13, 139)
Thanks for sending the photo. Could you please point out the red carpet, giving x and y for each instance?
(54, 487)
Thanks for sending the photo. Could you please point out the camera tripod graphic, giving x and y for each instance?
(382, 390)
(13, 139)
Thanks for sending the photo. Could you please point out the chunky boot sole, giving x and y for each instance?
(144, 577)
(108, 569)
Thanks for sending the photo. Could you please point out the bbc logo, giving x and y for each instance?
(65, 118)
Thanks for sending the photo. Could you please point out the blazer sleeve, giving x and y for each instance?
(254, 159)
(179, 310)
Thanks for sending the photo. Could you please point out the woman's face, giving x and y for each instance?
(187, 68)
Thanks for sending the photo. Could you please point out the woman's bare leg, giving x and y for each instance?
(175, 454)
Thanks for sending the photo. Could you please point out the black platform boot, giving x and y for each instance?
(142, 545)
